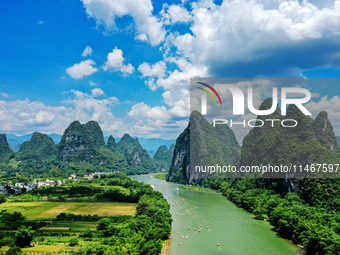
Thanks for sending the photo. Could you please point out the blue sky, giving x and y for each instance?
(134, 75)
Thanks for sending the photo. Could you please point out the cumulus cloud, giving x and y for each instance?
(156, 70)
(251, 38)
(175, 14)
(4, 94)
(105, 12)
(155, 120)
(25, 116)
(151, 71)
(22, 115)
(115, 63)
(96, 92)
(87, 51)
(241, 38)
(84, 68)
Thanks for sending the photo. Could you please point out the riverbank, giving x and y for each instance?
(199, 189)
(166, 247)
(222, 222)
(159, 176)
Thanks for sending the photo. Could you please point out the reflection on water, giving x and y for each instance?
(206, 223)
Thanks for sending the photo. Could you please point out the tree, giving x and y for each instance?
(11, 221)
(74, 242)
(14, 251)
(24, 236)
(2, 198)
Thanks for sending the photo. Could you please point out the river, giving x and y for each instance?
(233, 228)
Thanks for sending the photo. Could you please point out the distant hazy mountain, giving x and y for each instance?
(154, 143)
(150, 144)
(15, 141)
(55, 137)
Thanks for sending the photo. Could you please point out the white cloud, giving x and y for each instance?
(115, 63)
(180, 77)
(179, 102)
(241, 37)
(245, 31)
(87, 107)
(154, 121)
(175, 14)
(87, 51)
(92, 83)
(141, 111)
(24, 115)
(105, 13)
(96, 92)
(41, 22)
(84, 68)
(175, 84)
(156, 70)
(4, 94)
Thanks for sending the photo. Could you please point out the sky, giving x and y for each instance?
(127, 64)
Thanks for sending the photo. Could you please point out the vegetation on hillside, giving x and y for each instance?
(163, 157)
(82, 150)
(142, 233)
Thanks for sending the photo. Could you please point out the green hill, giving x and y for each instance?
(163, 157)
(84, 144)
(112, 145)
(127, 143)
(323, 130)
(304, 144)
(5, 151)
(40, 147)
(201, 144)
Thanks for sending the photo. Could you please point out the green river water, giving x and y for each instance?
(232, 227)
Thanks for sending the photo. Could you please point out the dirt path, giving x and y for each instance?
(166, 247)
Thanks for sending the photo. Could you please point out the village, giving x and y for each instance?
(17, 188)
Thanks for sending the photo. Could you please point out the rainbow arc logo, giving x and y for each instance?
(209, 93)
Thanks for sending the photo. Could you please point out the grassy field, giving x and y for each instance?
(43, 248)
(36, 210)
(160, 176)
(195, 188)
